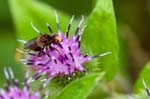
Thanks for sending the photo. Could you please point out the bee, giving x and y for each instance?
(38, 44)
(41, 42)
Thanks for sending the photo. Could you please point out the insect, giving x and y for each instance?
(41, 42)
(44, 41)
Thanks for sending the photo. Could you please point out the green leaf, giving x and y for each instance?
(80, 88)
(101, 35)
(7, 56)
(144, 75)
(26, 11)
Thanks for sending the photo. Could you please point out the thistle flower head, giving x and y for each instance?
(13, 90)
(62, 59)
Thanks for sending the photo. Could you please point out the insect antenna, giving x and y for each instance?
(57, 22)
(79, 25)
(49, 28)
(69, 26)
(35, 29)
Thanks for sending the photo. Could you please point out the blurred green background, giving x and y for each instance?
(132, 23)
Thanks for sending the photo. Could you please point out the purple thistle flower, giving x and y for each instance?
(65, 59)
(13, 90)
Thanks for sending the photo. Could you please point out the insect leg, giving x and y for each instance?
(41, 52)
(53, 48)
(47, 52)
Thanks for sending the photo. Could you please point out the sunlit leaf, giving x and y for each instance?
(101, 35)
